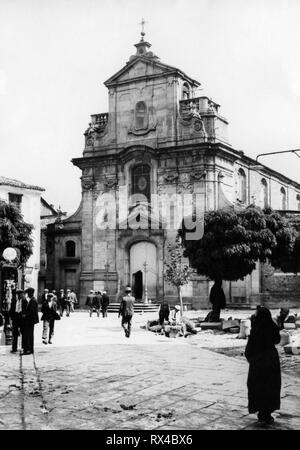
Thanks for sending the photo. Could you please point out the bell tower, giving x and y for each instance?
(142, 46)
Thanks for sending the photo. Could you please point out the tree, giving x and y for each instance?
(15, 232)
(285, 255)
(234, 241)
(177, 273)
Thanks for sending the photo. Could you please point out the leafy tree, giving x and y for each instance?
(177, 273)
(234, 241)
(285, 255)
(14, 232)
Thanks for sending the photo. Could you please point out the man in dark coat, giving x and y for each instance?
(282, 317)
(93, 303)
(96, 303)
(264, 377)
(217, 299)
(45, 295)
(49, 311)
(164, 312)
(31, 317)
(104, 303)
(61, 302)
(17, 309)
(126, 310)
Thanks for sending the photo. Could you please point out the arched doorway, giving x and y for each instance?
(141, 275)
(137, 284)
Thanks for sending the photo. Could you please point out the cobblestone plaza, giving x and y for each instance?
(94, 378)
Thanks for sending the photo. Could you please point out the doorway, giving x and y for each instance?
(70, 279)
(143, 275)
(137, 285)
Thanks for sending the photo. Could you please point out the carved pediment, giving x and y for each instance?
(141, 216)
(139, 66)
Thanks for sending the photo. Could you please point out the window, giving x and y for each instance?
(242, 192)
(141, 181)
(140, 115)
(70, 249)
(298, 202)
(185, 91)
(283, 198)
(264, 193)
(16, 199)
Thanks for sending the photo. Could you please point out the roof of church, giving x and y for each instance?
(19, 184)
(149, 58)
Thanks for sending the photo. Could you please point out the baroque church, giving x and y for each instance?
(159, 140)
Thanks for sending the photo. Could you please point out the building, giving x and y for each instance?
(48, 215)
(63, 248)
(27, 198)
(159, 139)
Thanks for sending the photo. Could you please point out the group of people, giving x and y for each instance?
(24, 315)
(96, 302)
(65, 301)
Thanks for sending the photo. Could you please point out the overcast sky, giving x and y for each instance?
(56, 54)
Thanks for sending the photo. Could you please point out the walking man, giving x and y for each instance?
(91, 302)
(45, 294)
(68, 302)
(31, 317)
(126, 311)
(61, 302)
(104, 303)
(18, 306)
(49, 308)
(73, 300)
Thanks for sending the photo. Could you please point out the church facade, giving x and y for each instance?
(160, 152)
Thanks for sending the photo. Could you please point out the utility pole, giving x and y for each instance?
(106, 275)
(145, 265)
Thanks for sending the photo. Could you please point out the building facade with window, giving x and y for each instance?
(27, 198)
(160, 140)
(49, 215)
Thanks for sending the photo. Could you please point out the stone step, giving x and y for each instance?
(138, 307)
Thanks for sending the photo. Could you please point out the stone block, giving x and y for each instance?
(289, 326)
(292, 349)
(211, 325)
(227, 324)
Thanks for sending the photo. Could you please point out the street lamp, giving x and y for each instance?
(106, 275)
(145, 265)
(282, 151)
(9, 254)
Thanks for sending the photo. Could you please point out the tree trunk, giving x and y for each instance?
(180, 300)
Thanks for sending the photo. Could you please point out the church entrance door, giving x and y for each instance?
(137, 285)
(143, 269)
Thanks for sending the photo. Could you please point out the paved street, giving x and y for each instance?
(92, 377)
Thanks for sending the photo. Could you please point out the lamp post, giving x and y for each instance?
(106, 275)
(145, 265)
(276, 153)
(9, 254)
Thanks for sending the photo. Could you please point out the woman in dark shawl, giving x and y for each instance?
(218, 300)
(264, 377)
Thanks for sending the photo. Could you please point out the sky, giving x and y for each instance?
(56, 54)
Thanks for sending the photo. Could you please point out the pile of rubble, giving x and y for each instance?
(238, 328)
(185, 327)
